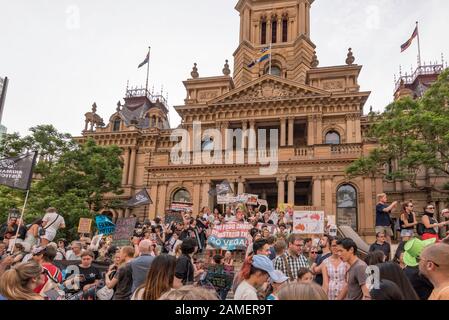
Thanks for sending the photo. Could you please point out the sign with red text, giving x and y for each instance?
(230, 236)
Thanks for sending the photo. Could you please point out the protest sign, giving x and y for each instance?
(220, 276)
(230, 236)
(173, 216)
(226, 199)
(181, 206)
(124, 229)
(262, 205)
(95, 243)
(104, 225)
(271, 227)
(223, 188)
(308, 222)
(84, 225)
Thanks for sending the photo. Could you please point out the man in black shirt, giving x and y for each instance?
(381, 245)
(123, 279)
(185, 271)
(88, 276)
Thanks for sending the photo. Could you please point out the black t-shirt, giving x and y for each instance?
(184, 269)
(319, 261)
(382, 218)
(422, 285)
(385, 248)
(90, 275)
(123, 289)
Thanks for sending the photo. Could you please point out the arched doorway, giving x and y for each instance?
(347, 207)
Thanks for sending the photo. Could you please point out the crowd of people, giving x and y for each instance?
(171, 261)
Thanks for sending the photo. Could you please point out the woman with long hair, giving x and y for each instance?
(159, 279)
(393, 272)
(408, 221)
(19, 282)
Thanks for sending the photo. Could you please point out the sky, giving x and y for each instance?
(62, 56)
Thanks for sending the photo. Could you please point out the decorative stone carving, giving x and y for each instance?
(350, 59)
(267, 91)
(226, 70)
(315, 62)
(208, 95)
(194, 72)
(333, 85)
(93, 119)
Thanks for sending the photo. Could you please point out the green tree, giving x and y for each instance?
(68, 176)
(415, 135)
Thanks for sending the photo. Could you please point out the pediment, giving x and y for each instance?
(269, 88)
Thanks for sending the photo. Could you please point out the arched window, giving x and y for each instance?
(263, 35)
(332, 137)
(182, 195)
(285, 29)
(207, 145)
(274, 31)
(153, 121)
(275, 70)
(116, 124)
(347, 206)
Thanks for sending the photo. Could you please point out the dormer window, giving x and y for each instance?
(116, 124)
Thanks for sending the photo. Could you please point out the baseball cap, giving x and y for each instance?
(264, 263)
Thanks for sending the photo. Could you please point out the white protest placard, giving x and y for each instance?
(308, 222)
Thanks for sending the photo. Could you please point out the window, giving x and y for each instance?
(116, 125)
(285, 30)
(275, 70)
(207, 145)
(263, 36)
(274, 31)
(332, 137)
(182, 195)
(347, 206)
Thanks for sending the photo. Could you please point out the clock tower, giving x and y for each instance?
(283, 24)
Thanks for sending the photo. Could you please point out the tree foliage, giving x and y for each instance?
(70, 177)
(414, 135)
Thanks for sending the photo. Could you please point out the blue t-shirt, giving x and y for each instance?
(382, 218)
(2, 298)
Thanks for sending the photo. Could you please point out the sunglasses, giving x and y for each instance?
(430, 208)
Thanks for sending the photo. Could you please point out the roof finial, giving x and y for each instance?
(350, 59)
(226, 70)
(315, 62)
(194, 72)
(119, 105)
(442, 59)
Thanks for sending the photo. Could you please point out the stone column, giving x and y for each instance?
(358, 129)
(349, 128)
(205, 196)
(132, 166)
(247, 24)
(125, 166)
(241, 186)
(162, 198)
(154, 198)
(328, 194)
(319, 129)
(268, 31)
(281, 189)
(317, 191)
(310, 131)
(368, 218)
(291, 189)
(279, 33)
(302, 18)
(291, 126)
(196, 197)
(283, 123)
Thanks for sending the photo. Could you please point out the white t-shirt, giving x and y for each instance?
(245, 291)
(49, 218)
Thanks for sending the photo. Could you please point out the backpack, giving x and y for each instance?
(420, 228)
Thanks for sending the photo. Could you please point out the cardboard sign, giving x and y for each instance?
(85, 225)
(230, 236)
(271, 227)
(124, 229)
(220, 276)
(173, 216)
(308, 222)
(104, 225)
(226, 199)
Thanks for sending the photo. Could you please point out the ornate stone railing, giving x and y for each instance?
(346, 149)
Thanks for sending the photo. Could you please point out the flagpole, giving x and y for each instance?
(419, 46)
(21, 221)
(270, 57)
(148, 70)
